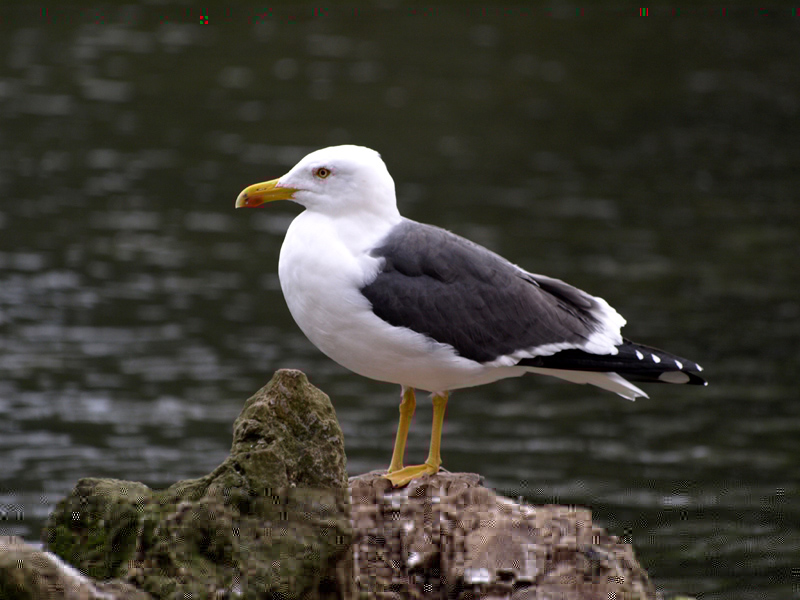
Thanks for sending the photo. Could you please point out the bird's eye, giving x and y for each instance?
(322, 172)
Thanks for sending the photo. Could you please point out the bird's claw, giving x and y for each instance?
(405, 475)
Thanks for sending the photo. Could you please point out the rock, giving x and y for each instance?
(445, 536)
(288, 435)
(27, 573)
(279, 519)
(271, 521)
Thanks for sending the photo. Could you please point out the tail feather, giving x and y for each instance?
(608, 381)
(633, 362)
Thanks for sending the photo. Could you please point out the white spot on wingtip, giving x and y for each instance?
(639, 355)
(679, 364)
(699, 368)
(674, 377)
(655, 358)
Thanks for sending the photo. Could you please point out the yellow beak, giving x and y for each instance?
(259, 193)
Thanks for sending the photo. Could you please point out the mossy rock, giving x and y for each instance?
(271, 521)
(96, 526)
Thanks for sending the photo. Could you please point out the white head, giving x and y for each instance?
(336, 180)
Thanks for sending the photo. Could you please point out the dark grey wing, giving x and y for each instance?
(456, 292)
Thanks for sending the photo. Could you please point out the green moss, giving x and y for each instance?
(271, 520)
(14, 588)
(96, 526)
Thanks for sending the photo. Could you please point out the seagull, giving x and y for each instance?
(407, 303)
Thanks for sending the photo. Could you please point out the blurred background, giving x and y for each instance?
(654, 162)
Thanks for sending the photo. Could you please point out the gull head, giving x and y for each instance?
(335, 180)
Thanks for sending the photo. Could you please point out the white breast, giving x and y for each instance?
(322, 270)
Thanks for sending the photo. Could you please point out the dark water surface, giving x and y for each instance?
(653, 162)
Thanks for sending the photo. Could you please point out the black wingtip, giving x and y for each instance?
(635, 362)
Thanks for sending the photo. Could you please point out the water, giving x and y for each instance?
(653, 163)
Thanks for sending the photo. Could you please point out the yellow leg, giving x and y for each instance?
(434, 454)
(407, 406)
(404, 476)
